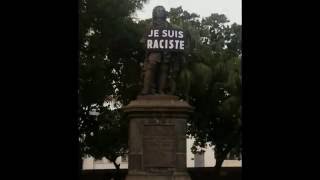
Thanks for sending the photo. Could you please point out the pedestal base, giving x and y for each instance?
(158, 177)
(157, 138)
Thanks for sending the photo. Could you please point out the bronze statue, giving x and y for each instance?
(160, 67)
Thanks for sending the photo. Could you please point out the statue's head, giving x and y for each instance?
(159, 13)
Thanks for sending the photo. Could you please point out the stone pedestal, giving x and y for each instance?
(157, 138)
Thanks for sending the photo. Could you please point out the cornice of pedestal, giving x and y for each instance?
(158, 103)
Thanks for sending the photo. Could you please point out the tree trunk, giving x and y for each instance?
(117, 174)
(219, 162)
(222, 154)
(80, 161)
(220, 157)
(80, 164)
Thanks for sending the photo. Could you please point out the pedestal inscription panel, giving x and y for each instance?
(159, 146)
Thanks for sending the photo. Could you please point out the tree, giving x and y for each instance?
(105, 57)
(110, 139)
(212, 80)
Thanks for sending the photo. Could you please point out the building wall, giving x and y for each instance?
(209, 159)
(206, 160)
(90, 163)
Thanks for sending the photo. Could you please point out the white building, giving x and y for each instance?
(199, 160)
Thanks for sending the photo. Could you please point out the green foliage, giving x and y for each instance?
(110, 53)
(211, 80)
(109, 138)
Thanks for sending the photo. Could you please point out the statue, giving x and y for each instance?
(161, 67)
(160, 114)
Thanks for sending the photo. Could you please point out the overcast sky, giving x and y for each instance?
(231, 8)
